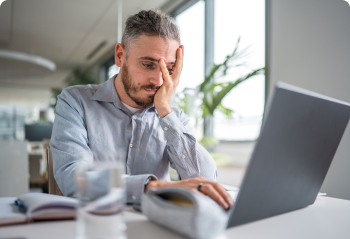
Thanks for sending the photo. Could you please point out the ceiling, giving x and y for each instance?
(65, 32)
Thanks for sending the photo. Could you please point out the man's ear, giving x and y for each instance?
(119, 54)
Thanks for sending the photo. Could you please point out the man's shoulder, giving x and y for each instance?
(84, 90)
(79, 92)
(76, 96)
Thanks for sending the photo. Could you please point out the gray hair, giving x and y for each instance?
(149, 23)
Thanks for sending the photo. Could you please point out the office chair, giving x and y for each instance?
(53, 187)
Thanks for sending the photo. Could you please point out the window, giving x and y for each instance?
(233, 19)
(244, 19)
(12, 120)
(191, 24)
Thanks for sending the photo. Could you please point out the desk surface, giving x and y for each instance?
(326, 218)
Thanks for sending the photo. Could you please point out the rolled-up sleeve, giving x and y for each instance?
(186, 155)
(70, 139)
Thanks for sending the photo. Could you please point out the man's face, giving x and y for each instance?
(140, 72)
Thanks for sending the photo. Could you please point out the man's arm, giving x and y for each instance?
(189, 158)
(193, 163)
(186, 155)
(70, 139)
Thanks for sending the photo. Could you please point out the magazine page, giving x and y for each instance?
(47, 206)
(9, 212)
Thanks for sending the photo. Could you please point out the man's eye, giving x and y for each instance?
(171, 71)
(147, 65)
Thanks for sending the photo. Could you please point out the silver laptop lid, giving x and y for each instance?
(298, 139)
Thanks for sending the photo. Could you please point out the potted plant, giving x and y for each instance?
(206, 98)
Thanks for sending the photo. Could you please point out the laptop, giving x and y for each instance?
(299, 136)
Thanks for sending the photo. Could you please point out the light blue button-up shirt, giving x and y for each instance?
(91, 119)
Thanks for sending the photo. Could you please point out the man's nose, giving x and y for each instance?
(157, 79)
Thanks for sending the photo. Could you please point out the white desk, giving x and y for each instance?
(327, 218)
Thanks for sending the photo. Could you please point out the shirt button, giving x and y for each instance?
(134, 197)
(165, 128)
(183, 156)
(130, 145)
(133, 117)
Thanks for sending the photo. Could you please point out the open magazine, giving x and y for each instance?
(36, 206)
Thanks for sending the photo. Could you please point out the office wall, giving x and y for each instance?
(14, 172)
(309, 46)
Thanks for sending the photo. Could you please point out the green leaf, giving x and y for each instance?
(211, 91)
(220, 95)
(208, 141)
(226, 111)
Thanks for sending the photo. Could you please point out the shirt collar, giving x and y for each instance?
(106, 92)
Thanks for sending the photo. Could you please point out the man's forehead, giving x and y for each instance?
(149, 58)
(155, 48)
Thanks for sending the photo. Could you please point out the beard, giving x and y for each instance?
(132, 90)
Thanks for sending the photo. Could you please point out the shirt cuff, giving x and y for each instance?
(135, 187)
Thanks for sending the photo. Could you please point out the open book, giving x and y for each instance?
(36, 206)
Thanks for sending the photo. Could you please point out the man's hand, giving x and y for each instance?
(212, 189)
(170, 82)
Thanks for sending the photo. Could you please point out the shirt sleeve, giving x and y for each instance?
(69, 139)
(187, 156)
(136, 186)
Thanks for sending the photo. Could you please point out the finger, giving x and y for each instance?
(223, 193)
(179, 62)
(164, 70)
(209, 190)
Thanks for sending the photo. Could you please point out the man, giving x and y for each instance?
(130, 117)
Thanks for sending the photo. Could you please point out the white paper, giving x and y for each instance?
(9, 213)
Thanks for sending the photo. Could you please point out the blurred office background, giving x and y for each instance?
(44, 43)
